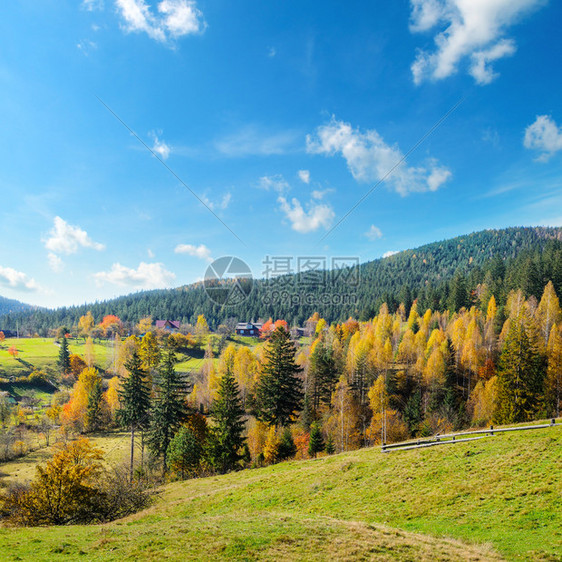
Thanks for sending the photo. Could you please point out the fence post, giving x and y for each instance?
(491, 430)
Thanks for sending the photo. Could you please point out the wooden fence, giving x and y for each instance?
(451, 438)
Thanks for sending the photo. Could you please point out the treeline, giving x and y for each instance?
(442, 276)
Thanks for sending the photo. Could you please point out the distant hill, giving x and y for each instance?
(8, 306)
(441, 275)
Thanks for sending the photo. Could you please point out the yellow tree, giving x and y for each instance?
(149, 352)
(344, 419)
(245, 372)
(386, 424)
(144, 325)
(548, 312)
(112, 396)
(86, 324)
(482, 402)
(553, 382)
(89, 352)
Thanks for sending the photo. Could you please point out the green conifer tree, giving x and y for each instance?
(279, 389)
(227, 413)
(135, 401)
(520, 375)
(169, 408)
(63, 361)
(316, 443)
(287, 448)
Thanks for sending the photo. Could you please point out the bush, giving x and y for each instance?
(73, 487)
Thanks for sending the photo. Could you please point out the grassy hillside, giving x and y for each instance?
(498, 498)
(42, 353)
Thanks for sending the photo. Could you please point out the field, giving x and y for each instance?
(42, 353)
(497, 498)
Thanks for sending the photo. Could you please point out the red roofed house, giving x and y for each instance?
(168, 325)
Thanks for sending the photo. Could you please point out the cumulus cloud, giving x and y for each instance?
(390, 253)
(16, 280)
(545, 136)
(304, 176)
(274, 183)
(171, 20)
(472, 30)
(67, 239)
(317, 216)
(201, 251)
(369, 158)
(374, 233)
(146, 276)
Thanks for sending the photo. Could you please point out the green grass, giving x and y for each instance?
(495, 498)
(42, 353)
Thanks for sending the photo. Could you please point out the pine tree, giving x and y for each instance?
(413, 412)
(135, 401)
(63, 361)
(520, 375)
(287, 448)
(169, 408)
(185, 452)
(279, 389)
(316, 443)
(228, 418)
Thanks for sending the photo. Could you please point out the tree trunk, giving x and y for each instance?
(132, 452)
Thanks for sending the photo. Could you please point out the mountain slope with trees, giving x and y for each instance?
(8, 306)
(444, 275)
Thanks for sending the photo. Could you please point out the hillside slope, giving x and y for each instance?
(534, 254)
(8, 306)
(498, 498)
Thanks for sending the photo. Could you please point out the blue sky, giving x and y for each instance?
(280, 116)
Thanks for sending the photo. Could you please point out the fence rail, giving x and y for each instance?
(451, 438)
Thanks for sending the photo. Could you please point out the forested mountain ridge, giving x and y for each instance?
(8, 306)
(442, 275)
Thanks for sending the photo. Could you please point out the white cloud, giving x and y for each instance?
(272, 52)
(374, 233)
(370, 159)
(16, 280)
(171, 20)
(317, 216)
(253, 141)
(543, 135)
(222, 204)
(319, 193)
(304, 176)
(150, 253)
(92, 5)
(146, 276)
(55, 263)
(390, 253)
(160, 147)
(274, 183)
(86, 46)
(473, 29)
(67, 239)
(201, 251)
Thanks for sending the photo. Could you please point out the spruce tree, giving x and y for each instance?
(316, 443)
(227, 413)
(520, 375)
(169, 408)
(63, 361)
(287, 448)
(185, 452)
(279, 389)
(413, 412)
(135, 401)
